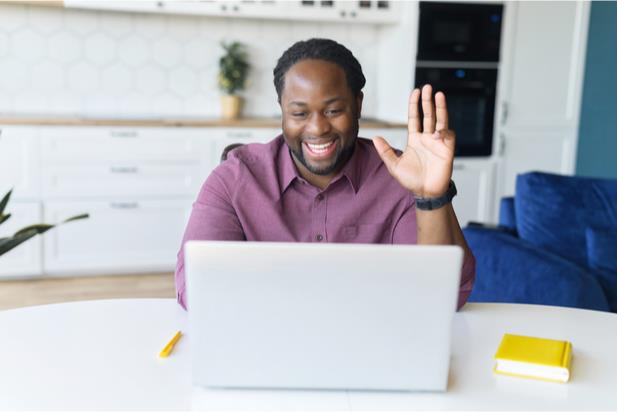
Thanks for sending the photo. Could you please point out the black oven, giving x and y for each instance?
(470, 97)
(458, 53)
(459, 31)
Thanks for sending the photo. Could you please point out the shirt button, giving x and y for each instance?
(319, 238)
(320, 197)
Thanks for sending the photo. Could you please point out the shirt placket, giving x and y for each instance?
(319, 218)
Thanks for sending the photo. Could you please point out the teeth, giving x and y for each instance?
(319, 147)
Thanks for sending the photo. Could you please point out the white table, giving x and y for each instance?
(102, 355)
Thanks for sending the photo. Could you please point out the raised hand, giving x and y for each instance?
(425, 167)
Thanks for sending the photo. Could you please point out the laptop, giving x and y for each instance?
(321, 316)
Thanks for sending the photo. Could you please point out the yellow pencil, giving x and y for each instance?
(170, 345)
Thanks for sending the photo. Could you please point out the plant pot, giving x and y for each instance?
(231, 106)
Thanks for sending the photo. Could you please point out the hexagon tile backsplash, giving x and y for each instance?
(56, 61)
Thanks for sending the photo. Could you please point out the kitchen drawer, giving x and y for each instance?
(122, 236)
(122, 179)
(92, 144)
(19, 162)
(25, 259)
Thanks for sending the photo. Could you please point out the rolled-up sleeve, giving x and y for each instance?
(212, 218)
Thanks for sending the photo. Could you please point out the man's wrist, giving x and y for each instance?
(433, 203)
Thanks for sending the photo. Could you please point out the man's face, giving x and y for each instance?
(320, 116)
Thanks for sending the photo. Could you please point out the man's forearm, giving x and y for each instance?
(440, 227)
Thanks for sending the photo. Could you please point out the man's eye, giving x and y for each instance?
(333, 112)
(298, 114)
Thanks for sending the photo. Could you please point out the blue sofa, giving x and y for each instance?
(556, 244)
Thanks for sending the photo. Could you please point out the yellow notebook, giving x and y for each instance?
(536, 358)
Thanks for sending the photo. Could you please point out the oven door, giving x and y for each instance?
(470, 97)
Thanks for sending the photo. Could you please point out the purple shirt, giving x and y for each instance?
(257, 194)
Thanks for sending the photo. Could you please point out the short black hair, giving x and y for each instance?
(320, 49)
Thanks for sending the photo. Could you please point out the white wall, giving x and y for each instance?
(108, 64)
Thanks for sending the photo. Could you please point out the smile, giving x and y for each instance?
(319, 148)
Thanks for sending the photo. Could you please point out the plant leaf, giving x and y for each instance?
(77, 217)
(8, 243)
(4, 218)
(5, 201)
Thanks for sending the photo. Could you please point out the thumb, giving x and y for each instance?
(386, 152)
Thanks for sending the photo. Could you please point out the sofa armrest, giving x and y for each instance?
(510, 270)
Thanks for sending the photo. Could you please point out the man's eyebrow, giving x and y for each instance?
(328, 101)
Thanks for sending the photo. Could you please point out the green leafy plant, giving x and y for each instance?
(233, 67)
(8, 243)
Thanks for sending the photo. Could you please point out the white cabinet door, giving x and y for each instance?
(103, 144)
(541, 79)
(544, 63)
(25, 259)
(19, 162)
(474, 183)
(121, 236)
(543, 152)
(121, 179)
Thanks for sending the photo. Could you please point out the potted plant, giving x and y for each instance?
(233, 70)
(8, 243)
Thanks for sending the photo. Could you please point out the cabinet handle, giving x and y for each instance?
(502, 144)
(504, 112)
(124, 133)
(239, 135)
(124, 170)
(124, 205)
(458, 166)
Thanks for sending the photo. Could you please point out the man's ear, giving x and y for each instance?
(359, 99)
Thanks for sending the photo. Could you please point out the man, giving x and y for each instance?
(320, 182)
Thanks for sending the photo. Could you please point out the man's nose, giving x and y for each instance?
(319, 125)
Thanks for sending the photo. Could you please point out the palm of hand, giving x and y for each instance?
(425, 167)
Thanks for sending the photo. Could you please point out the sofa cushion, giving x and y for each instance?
(507, 213)
(602, 257)
(511, 270)
(602, 248)
(553, 211)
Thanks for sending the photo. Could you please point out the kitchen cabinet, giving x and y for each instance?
(19, 169)
(138, 185)
(26, 259)
(474, 180)
(122, 235)
(369, 12)
(540, 89)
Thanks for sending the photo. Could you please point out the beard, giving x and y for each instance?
(342, 155)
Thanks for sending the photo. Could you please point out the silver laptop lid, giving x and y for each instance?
(321, 316)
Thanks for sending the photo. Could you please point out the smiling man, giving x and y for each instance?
(320, 182)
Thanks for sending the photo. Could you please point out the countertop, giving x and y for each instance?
(245, 122)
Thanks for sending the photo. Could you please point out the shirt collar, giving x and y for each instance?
(288, 170)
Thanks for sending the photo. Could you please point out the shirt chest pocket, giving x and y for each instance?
(366, 233)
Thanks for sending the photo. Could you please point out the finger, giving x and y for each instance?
(413, 113)
(428, 109)
(442, 111)
(386, 152)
